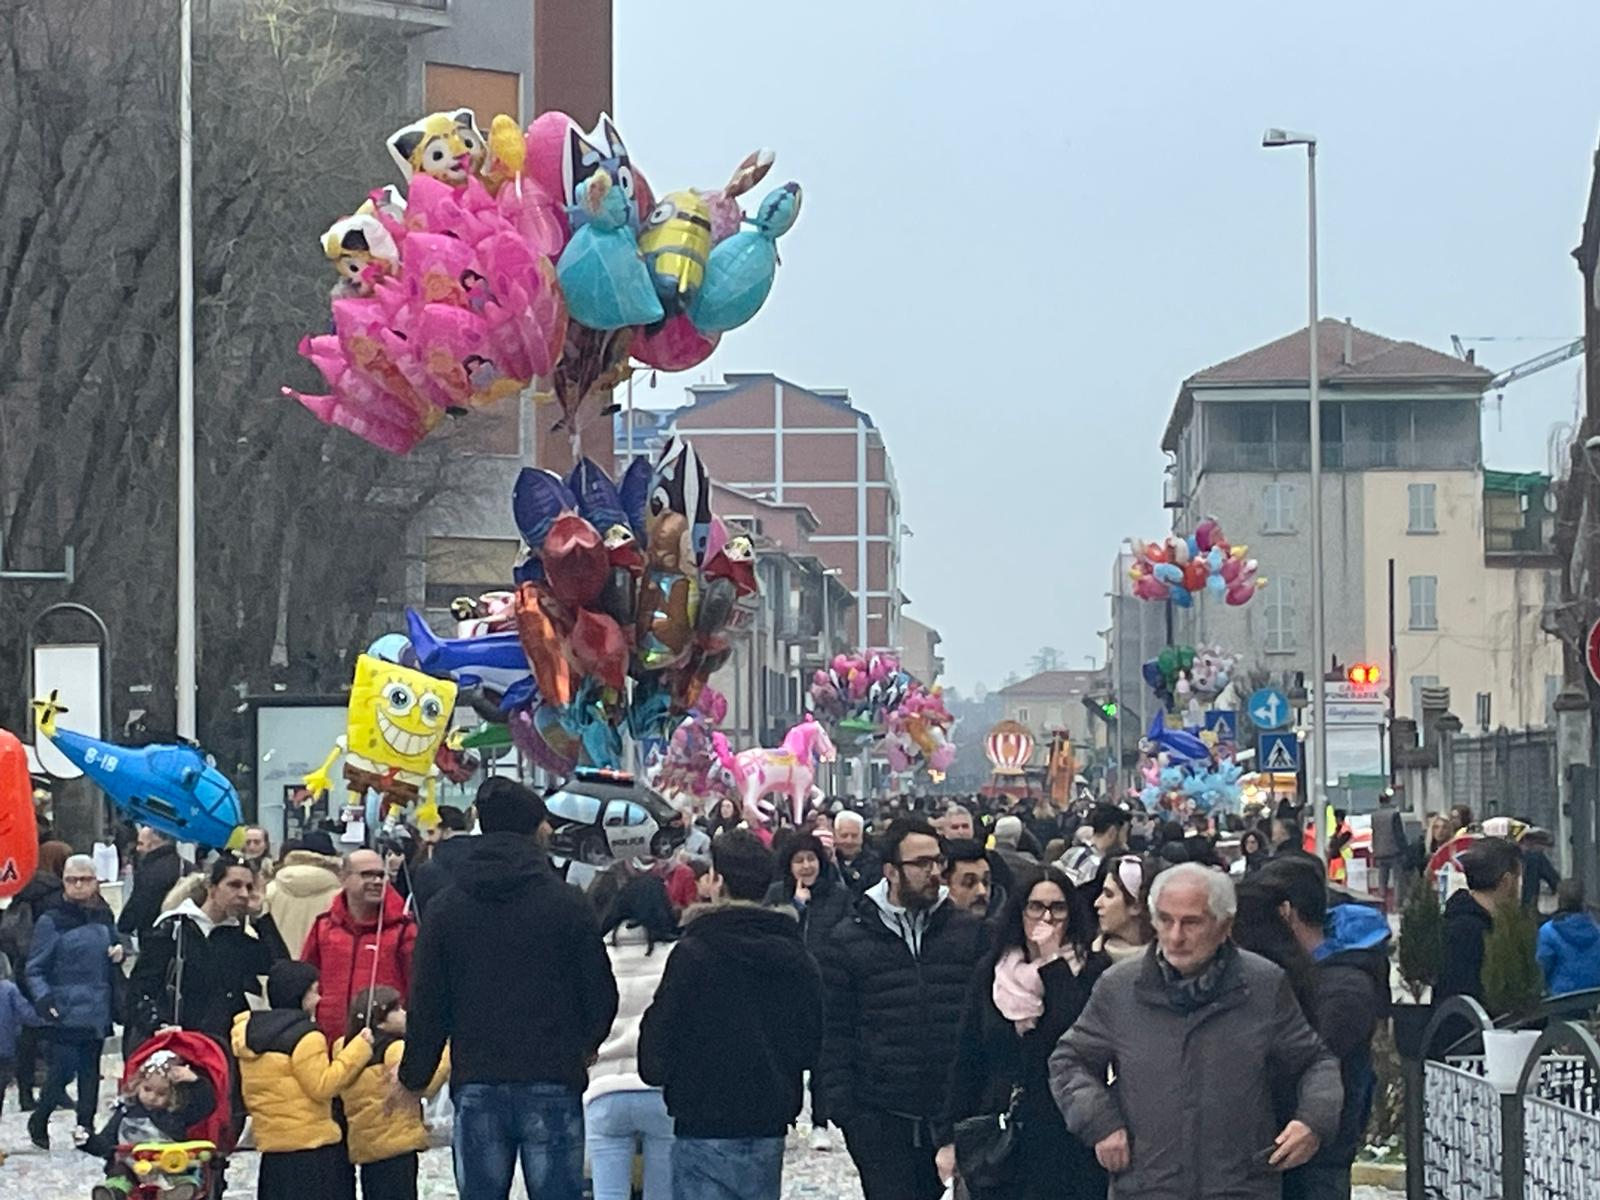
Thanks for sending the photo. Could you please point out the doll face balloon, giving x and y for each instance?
(448, 146)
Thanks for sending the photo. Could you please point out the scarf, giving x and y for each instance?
(1187, 994)
(1018, 991)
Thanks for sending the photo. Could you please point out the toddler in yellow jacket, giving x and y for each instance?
(289, 1085)
(383, 1144)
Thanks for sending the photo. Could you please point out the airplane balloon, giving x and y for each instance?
(175, 789)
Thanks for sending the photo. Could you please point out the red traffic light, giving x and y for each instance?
(1365, 673)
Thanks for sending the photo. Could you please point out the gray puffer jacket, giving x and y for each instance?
(1194, 1091)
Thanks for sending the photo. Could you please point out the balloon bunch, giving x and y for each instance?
(1180, 674)
(870, 695)
(1185, 770)
(624, 598)
(690, 765)
(528, 256)
(1178, 568)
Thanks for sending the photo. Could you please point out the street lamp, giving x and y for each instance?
(1317, 780)
(187, 697)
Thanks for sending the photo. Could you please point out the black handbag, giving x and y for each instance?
(985, 1144)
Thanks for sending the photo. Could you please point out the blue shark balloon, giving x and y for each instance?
(494, 660)
(741, 268)
(606, 283)
(175, 789)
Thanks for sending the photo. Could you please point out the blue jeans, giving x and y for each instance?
(727, 1168)
(613, 1124)
(497, 1123)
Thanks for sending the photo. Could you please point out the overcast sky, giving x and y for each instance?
(1026, 222)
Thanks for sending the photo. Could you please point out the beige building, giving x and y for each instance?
(1051, 701)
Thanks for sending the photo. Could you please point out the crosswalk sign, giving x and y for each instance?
(1224, 724)
(1278, 752)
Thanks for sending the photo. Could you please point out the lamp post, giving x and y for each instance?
(1317, 780)
(186, 697)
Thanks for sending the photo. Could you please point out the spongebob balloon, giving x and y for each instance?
(396, 723)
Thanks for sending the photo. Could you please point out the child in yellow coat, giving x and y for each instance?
(289, 1085)
(383, 1144)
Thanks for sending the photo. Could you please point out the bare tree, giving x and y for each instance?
(1046, 658)
(299, 527)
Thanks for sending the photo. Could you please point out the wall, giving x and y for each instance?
(494, 35)
(1488, 639)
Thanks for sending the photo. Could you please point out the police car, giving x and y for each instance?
(600, 816)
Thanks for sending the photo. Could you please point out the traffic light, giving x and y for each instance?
(1104, 707)
(1365, 674)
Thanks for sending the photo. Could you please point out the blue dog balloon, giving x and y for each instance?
(606, 283)
(741, 268)
(175, 789)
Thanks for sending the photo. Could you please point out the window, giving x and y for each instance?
(1424, 602)
(1279, 611)
(1277, 508)
(486, 93)
(1418, 682)
(570, 806)
(1022, 715)
(1420, 498)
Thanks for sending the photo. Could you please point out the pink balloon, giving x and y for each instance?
(1206, 534)
(1240, 593)
(676, 346)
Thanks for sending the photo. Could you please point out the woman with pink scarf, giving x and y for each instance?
(1025, 995)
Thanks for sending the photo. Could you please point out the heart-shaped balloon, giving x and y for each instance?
(675, 345)
(575, 561)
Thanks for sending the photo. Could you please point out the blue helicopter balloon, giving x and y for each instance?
(175, 789)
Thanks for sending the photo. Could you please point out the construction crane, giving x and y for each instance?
(1541, 362)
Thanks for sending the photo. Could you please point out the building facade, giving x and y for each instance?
(1403, 483)
(769, 437)
(1051, 701)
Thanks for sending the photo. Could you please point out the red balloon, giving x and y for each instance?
(1155, 553)
(676, 346)
(599, 649)
(1194, 575)
(19, 834)
(575, 561)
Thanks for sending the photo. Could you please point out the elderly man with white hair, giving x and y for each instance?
(1199, 1034)
(859, 865)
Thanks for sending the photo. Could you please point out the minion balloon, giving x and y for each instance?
(396, 722)
(675, 243)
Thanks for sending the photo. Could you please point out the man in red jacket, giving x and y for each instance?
(345, 940)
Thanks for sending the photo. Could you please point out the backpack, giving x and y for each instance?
(16, 932)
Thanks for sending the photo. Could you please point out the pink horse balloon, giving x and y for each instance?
(791, 769)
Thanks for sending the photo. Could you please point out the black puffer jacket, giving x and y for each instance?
(893, 1019)
(829, 904)
(510, 969)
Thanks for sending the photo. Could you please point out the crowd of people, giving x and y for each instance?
(984, 999)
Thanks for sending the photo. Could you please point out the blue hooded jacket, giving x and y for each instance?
(1352, 983)
(1569, 953)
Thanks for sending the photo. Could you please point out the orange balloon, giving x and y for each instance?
(19, 834)
(542, 641)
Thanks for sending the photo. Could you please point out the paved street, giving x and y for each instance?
(808, 1174)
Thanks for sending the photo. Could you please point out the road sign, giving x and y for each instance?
(1225, 724)
(1278, 752)
(1269, 709)
(1591, 648)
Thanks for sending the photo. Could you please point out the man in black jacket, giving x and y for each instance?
(896, 973)
(859, 865)
(735, 1021)
(511, 971)
(430, 878)
(155, 872)
(1349, 947)
(1493, 867)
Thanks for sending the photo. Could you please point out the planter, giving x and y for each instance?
(1410, 1023)
(1505, 1053)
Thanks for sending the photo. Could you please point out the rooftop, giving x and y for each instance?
(1347, 355)
(709, 393)
(1055, 683)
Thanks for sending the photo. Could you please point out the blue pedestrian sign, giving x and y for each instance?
(1278, 752)
(1269, 709)
(1225, 724)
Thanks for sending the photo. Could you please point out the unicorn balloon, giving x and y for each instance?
(791, 770)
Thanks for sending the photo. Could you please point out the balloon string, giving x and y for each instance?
(377, 946)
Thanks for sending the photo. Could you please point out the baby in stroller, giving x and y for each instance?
(146, 1142)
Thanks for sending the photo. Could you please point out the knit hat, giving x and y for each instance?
(288, 982)
(505, 806)
(318, 841)
(1008, 831)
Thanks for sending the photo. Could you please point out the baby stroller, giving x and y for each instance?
(210, 1139)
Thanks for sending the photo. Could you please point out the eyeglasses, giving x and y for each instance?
(80, 879)
(927, 862)
(1058, 910)
(371, 876)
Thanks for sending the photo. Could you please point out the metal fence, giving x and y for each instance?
(1539, 1141)
(1507, 773)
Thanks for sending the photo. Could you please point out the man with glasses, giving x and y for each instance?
(365, 939)
(896, 973)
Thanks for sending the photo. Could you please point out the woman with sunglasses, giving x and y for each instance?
(1025, 995)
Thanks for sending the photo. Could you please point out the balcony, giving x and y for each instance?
(411, 16)
(1339, 456)
(1518, 517)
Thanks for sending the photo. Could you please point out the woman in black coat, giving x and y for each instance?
(1025, 995)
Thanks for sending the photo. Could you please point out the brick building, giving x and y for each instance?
(768, 437)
